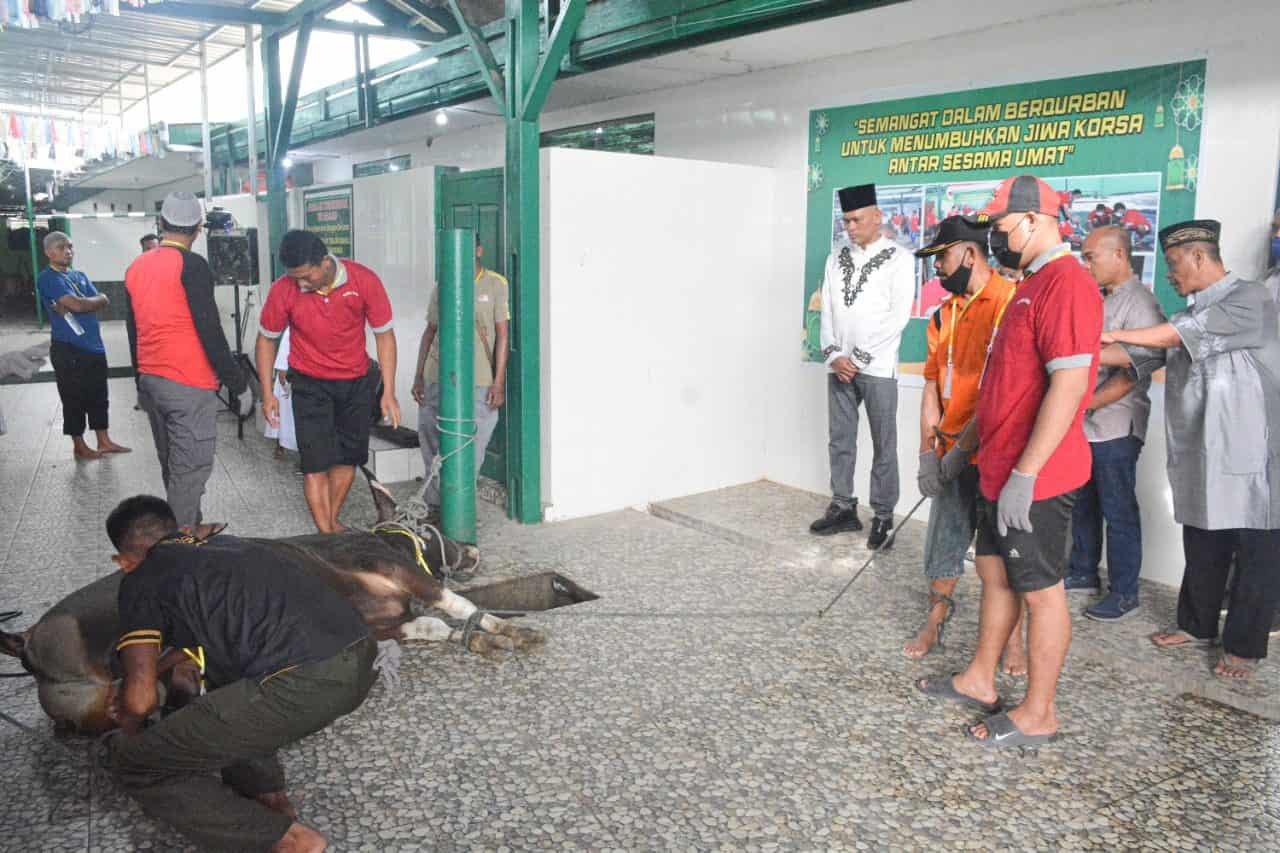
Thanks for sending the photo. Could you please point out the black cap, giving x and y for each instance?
(952, 230)
(854, 198)
(1191, 231)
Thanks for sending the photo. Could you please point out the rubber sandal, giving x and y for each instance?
(943, 688)
(1189, 642)
(1249, 665)
(1003, 733)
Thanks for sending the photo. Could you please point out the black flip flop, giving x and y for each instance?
(944, 689)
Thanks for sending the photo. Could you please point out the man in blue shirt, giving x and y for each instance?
(78, 356)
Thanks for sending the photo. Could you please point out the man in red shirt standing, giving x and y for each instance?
(1035, 458)
(327, 301)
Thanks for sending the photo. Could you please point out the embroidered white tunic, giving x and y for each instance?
(866, 303)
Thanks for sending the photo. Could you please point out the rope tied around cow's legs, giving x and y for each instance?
(471, 626)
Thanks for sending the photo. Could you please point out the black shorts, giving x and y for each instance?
(1032, 560)
(331, 418)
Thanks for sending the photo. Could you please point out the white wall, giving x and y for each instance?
(106, 247)
(395, 237)
(761, 119)
(653, 307)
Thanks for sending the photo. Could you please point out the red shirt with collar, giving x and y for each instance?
(1053, 322)
(328, 340)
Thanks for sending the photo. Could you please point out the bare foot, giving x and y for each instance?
(112, 447)
(278, 453)
(985, 693)
(278, 801)
(919, 646)
(1172, 639)
(300, 839)
(87, 452)
(1234, 667)
(1015, 657)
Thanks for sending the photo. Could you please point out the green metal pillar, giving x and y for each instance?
(31, 236)
(524, 436)
(457, 248)
(277, 197)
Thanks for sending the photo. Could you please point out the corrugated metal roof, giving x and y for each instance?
(99, 64)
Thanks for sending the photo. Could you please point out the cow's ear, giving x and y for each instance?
(382, 499)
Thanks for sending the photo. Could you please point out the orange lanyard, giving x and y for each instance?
(951, 342)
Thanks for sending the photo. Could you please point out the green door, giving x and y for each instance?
(474, 200)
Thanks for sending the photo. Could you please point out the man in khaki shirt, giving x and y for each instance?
(493, 324)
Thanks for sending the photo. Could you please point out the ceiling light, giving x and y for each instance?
(599, 130)
(287, 162)
(442, 118)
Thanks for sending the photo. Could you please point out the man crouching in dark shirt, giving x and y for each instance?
(283, 656)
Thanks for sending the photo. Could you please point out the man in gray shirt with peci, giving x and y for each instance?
(1116, 426)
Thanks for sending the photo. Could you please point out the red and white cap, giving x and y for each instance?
(1021, 194)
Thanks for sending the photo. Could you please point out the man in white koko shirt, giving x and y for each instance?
(866, 302)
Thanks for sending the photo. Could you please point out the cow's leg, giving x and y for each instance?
(459, 608)
(432, 630)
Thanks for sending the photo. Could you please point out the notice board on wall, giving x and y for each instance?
(1121, 148)
(327, 213)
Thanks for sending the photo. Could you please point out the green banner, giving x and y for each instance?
(1121, 148)
(327, 213)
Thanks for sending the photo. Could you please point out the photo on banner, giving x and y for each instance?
(1120, 148)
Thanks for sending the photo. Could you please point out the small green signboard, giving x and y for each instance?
(327, 213)
(380, 167)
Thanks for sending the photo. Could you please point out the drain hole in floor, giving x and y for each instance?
(543, 591)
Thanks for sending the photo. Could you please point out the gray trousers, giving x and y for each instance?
(184, 426)
(172, 768)
(429, 433)
(880, 396)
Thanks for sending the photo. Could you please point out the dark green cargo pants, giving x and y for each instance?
(235, 730)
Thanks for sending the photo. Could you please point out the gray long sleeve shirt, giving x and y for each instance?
(1222, 405)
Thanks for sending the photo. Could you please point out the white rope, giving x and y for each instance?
(469, 440)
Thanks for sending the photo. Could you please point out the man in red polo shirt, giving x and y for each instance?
(1035, 458)
(327, 301)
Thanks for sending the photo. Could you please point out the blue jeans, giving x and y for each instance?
(1111, 496)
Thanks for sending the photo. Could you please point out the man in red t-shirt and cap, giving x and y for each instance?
(1035, 458)
(327, 301)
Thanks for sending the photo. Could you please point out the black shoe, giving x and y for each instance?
(838, 519)
(880, 528)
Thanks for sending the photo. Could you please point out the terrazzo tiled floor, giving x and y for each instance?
(699, 704)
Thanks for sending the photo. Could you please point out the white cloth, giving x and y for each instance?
(285, 433)
(866, 303)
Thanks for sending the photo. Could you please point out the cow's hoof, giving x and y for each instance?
(522, 637)
(492, 646)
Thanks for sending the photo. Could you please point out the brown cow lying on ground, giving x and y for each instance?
(71, 649)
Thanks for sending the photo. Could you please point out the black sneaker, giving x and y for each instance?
(880, 528)
(837, 519)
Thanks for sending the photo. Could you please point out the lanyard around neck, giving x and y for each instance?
(71, 282)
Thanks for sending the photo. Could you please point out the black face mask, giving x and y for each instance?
(958, 281)
(998, 243)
